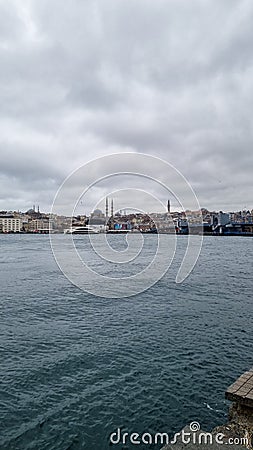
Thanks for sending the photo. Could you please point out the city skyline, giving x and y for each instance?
(123, 221)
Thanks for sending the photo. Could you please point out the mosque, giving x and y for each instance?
(101, 221)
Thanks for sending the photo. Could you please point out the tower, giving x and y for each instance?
(112, 208)
(106, 208)
(168, 206)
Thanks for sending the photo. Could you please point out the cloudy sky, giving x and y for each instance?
(171, 78)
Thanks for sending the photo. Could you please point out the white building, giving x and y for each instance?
(10, 224)
(39, 225)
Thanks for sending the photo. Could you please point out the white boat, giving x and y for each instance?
(87, 229)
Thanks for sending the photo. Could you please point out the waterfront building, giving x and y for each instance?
(10, 224)
(219, 221)
(39, 226)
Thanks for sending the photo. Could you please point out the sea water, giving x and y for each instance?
(74, 367)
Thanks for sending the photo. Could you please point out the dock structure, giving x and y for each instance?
(238, 432)
(241, 391)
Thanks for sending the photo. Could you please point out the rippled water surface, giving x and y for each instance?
(75, 367)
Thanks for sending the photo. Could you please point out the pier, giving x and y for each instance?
(241, 391)
(238, 431)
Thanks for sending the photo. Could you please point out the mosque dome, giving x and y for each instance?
(97, 212)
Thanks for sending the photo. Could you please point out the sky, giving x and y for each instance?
(84, 79)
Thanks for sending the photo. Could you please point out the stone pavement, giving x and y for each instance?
(209, 444)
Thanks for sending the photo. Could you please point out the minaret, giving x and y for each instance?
(106, 208)
(112, 208)
(168, 206)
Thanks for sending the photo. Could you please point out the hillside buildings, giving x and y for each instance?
(195, 222)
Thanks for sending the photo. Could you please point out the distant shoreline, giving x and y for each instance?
(131, 233)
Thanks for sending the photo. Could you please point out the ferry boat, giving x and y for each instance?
(87, 229)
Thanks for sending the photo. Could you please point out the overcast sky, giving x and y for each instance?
(82, 78)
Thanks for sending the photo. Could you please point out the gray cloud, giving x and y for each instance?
(82, 79)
